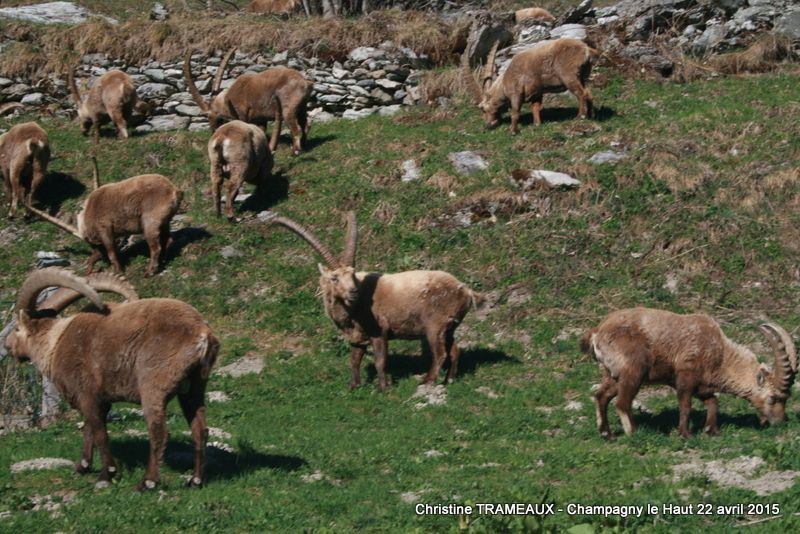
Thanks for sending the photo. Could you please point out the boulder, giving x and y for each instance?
(467, 162)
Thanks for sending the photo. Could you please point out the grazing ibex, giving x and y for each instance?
(548, 67)
(139, 205)
(372, 308)
(279, 93)
(24, 155)
(533, 13)
(143, 351)
(238, 151)
(111, 98)
(689, 352)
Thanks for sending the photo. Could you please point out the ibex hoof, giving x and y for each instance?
(194, 482)
(83, 467)
(145, 485)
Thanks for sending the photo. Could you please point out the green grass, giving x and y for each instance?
(686, 205)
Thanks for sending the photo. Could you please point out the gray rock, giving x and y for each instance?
(229, 252)
(388, 84)
(17, 90)
(199, 127)
(555, 179)
(355, 114)
(163, 123)
(381, 96)
(159, 12)
(38, 464)
(33, 99)
(280, 57)
(387, 111)
(363, 53)
(658, 63)
(710, 38)
(789, 24)
(607, 156)
(467, 162)
(320, 115)
(339, 73)
(569, 31)
(188, 110)
(51, 13)
(628, 9)
(358, 90)
(5, 82)
(331, 99)
(157, 75)
(155, 90)
(410, 170)
(577, 13)
(481, 40)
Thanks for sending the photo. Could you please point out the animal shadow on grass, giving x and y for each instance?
(180, 239)
(132, 453)
(273, 193)
(56, 187)
(666, 421)
(405, 365)
(315, 141)
(558, 114)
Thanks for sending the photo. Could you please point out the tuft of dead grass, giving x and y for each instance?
(763, 55)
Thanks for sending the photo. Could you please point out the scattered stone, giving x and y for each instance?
(218, 433)
(244, 366)
(526, 179)
(224, 447)
(433, 453)
(430, 395)
(410, 497)
(217, 396)
(467, 162)
(569, 31)
(49, 259)
(574, 406)
(485, 390)
(320, 115)
(152, 90)
(410, 170)
(607, 156)
(316, 476)
(38, 464)
(789, 24)
(188, 110)
(577, 13)
(165, 123)
(363, 53)
(159, 12)
(102, 484)
(355, 114)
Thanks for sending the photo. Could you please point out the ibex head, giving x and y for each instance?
(338, 276)
(482, 89)
(775, 385)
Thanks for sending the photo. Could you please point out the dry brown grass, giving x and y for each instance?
(139, 40)
(448, 83)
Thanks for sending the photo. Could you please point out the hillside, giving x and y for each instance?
(700, 215)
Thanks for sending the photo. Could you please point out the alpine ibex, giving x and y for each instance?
(238, 151)
(689, 352)
(139, 205)
(120, 352)
(111, 98)
(372, 308)
(533, 13)
(548, 67)
(279, 93)
(24, 155)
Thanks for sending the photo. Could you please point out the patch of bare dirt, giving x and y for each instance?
(429, 395)
(737, 473)
(38, 464)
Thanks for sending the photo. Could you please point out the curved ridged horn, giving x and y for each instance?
(187, 75)
(95, 173)
(310, 239)
(100, 282)
(9, 107)
(73, 88)
(40, 280)
(221, 71)
(351, 240)
(785, 356)
(472, 82)
(55, 220)
(488, 69)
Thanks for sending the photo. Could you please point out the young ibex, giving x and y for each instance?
(111, 98)
(689, 352)
(372, 308)
(120, 352)
(24, 155)
(139, 205)
(549, 67)
(533, 13)
(279, 93)
(238, 151)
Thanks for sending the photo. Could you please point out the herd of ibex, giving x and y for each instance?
(127, 351)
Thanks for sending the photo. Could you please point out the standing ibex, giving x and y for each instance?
(238, 151)
(372, 308)
(111, 98)
(139, 205)
(549, 67)
(142, 351)
(689, 352)
(24, 155)
(279, 93)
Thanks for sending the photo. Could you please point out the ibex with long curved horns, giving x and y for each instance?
(142, 204)
(548, 67)
(372, 308)
(117, 352)
(279, 93)
(689, 352)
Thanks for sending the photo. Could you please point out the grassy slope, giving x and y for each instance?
(724, 225)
